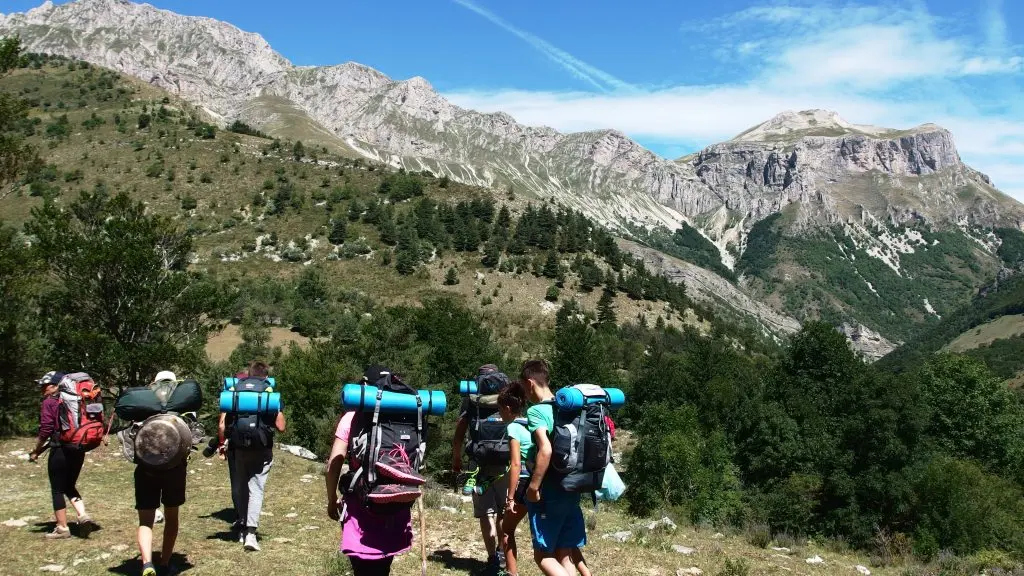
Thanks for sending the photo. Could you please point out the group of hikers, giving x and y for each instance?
(511, 428)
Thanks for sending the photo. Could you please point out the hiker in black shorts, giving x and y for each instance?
(153, 488)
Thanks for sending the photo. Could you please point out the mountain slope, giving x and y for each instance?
(835, 211)
(989, 327)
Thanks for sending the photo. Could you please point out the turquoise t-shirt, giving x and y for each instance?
(522, 435)
(539, 416)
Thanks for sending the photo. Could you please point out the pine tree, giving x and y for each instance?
(452, 277)
(388, 230)
(298, 150)
(492, 253)
(606, 310)
(338, 231)
(552, 268)
(355, 210)
(503, 225)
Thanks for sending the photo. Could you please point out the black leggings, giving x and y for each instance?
(380, 567)
(63, 468)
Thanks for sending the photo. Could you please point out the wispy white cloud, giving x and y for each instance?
(898, 67)
(595, 77)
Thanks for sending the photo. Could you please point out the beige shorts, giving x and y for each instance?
(492, 501)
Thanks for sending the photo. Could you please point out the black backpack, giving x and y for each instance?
(251, 431)
(376, 434)
(581, 444)
(488, 443)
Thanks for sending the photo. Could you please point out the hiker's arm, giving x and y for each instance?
(540, 438)
(515, 467)
(279, 422)
(221, 426)
(460, 437)
(47, 426)
(339, 450)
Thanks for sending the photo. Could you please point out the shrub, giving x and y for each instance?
(758, 535)
(188, 203)
(735, 567)
(552, 294)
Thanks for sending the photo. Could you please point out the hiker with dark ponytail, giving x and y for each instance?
(512, 406)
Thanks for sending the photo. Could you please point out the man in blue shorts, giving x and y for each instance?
(556, 521)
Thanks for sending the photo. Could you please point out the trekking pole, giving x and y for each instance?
(423, 538)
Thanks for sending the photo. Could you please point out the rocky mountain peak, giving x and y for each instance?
(790, 124)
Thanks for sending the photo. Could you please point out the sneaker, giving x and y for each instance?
(250, 542)
(393, 493)
(396, 466)
(148, 569)
(59, 533)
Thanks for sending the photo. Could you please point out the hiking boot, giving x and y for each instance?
(393, 494)
(396, 466)
(148, 569)
(250, 542)
(59, 533)
(86, 525)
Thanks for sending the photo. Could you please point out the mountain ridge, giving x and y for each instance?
(870, 187)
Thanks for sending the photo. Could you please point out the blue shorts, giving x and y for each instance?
(556, 521)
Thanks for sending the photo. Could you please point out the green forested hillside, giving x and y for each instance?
(837, 277)
(1004, 355)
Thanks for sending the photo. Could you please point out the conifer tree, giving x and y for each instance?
(338, 231)
(606, 310)
(452, 277)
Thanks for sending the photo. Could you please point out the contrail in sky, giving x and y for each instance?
(598, 78)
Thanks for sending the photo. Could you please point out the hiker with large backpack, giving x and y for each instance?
(512, 406)
(385, 451)
(250, 453)
(70, 424)
(556, 520)
(488, 454)
(162, 432)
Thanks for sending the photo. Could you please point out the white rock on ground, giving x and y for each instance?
(863, 570)
(684, 550)
(815, 560)
(51, 568)
(618, 536)
(12, 523)
(691, 571)
(665, 522)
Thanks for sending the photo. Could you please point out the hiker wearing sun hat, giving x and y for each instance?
(163, 485)
(63, 465)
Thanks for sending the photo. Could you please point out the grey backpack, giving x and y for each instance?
(581, 446)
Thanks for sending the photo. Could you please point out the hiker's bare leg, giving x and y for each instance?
(548, 564)
(564, 557)
(79, 505)
(144, 536)
(580, 562)
(170, 534)
(489, 531)
(61, 516)
(509, 522)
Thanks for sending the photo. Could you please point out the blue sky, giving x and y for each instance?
(680, 75)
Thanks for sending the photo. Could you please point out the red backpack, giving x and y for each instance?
(81, 412)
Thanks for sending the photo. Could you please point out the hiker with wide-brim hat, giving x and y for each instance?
(64, 463)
